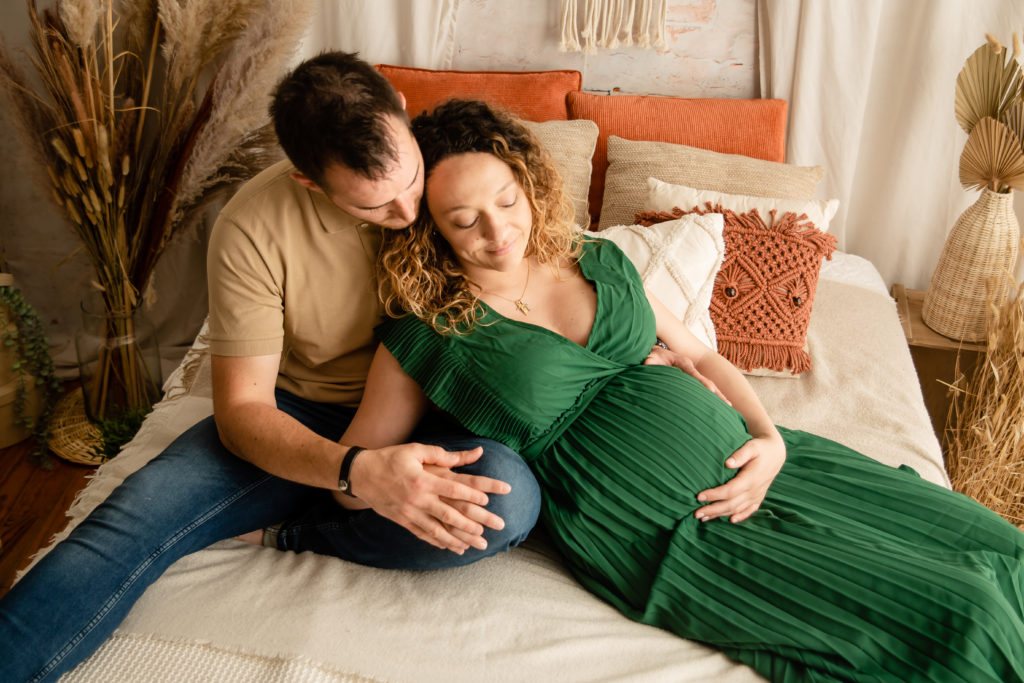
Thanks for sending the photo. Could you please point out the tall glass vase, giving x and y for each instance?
(118, 361)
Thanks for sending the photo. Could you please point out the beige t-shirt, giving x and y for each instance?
(290, 272)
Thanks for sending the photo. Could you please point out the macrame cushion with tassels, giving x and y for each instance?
(763, 293)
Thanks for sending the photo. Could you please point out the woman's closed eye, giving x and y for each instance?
(504, 203)
(467, 226)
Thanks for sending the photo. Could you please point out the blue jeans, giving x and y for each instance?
(196, 493)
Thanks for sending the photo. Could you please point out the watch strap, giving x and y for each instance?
(344, 485)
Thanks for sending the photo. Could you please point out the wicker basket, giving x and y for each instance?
(73, 437)
(981, 245)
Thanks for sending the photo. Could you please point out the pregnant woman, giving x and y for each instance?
(841, 569)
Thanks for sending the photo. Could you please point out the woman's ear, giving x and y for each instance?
(401, 98)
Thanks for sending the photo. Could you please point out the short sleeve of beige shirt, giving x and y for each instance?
(290, 273)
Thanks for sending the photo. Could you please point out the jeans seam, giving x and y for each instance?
(69, 647)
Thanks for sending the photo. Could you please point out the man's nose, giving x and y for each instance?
(404, 208)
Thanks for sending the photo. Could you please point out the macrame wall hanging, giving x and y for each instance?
(611, 23)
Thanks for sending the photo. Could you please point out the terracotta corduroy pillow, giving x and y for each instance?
(753, 128)
(531, 95)
(764, 291)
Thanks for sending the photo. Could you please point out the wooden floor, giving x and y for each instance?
(32, 505)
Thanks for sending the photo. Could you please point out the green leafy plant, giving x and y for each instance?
(23, 332)
(117, 431)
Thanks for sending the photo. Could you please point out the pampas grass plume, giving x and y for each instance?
(80, 18)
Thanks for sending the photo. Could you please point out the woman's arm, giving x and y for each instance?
(761, 458)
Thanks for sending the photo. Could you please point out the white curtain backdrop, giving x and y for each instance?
(870, 85)
(417, 33)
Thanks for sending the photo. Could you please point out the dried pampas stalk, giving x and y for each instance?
(236, 139)
(80, 17)
(118, 113)
(985, 440)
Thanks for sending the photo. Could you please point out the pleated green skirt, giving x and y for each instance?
(851, 570)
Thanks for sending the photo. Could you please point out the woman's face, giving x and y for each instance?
(481, 210)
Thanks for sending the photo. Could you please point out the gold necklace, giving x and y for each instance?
(523, 307)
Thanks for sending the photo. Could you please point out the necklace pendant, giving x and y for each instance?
(523, 307)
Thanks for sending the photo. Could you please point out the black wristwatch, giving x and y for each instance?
(344, 485)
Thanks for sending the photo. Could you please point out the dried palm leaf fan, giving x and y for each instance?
(988, 85)
(984, 240)
(992, 156)
(985, 442)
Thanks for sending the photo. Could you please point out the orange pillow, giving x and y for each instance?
(754, 128)
(531, 95)
(761, 302)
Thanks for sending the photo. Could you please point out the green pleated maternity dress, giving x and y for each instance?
(850, 570)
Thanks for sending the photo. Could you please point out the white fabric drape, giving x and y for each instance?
(870, 86)
(417, 33)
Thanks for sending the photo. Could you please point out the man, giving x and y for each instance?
(293, 303)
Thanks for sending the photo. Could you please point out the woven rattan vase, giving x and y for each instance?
(982, 244)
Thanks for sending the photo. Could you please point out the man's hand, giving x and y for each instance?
(414, 486)
(759, 460)
(662, 356)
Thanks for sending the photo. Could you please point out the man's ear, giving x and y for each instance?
(305, 181)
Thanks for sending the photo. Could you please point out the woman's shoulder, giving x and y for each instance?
(602, 252)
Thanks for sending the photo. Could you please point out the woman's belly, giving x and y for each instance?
(646, 445)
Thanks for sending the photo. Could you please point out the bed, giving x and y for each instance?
(240, 612)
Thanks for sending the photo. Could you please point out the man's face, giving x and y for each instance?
(392, 201)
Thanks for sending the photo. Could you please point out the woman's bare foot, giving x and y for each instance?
(254, 537)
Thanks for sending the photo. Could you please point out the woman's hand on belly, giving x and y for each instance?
(661, 355)
(759, 460)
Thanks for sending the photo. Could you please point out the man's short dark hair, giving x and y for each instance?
(332, 109)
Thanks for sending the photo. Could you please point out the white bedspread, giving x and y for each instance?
(240, 612)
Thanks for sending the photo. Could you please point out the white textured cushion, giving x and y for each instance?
(678, 261)
(662, 196)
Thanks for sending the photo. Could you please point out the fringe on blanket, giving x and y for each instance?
(611, 23)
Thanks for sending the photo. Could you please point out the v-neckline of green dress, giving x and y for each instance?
(584, 266)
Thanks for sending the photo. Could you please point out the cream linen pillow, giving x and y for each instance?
(630, 163)
(571, 146)
(664, 197)
(678, 261)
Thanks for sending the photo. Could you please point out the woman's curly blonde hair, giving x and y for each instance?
(417, 270)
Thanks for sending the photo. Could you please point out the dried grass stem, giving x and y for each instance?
(985, 441)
